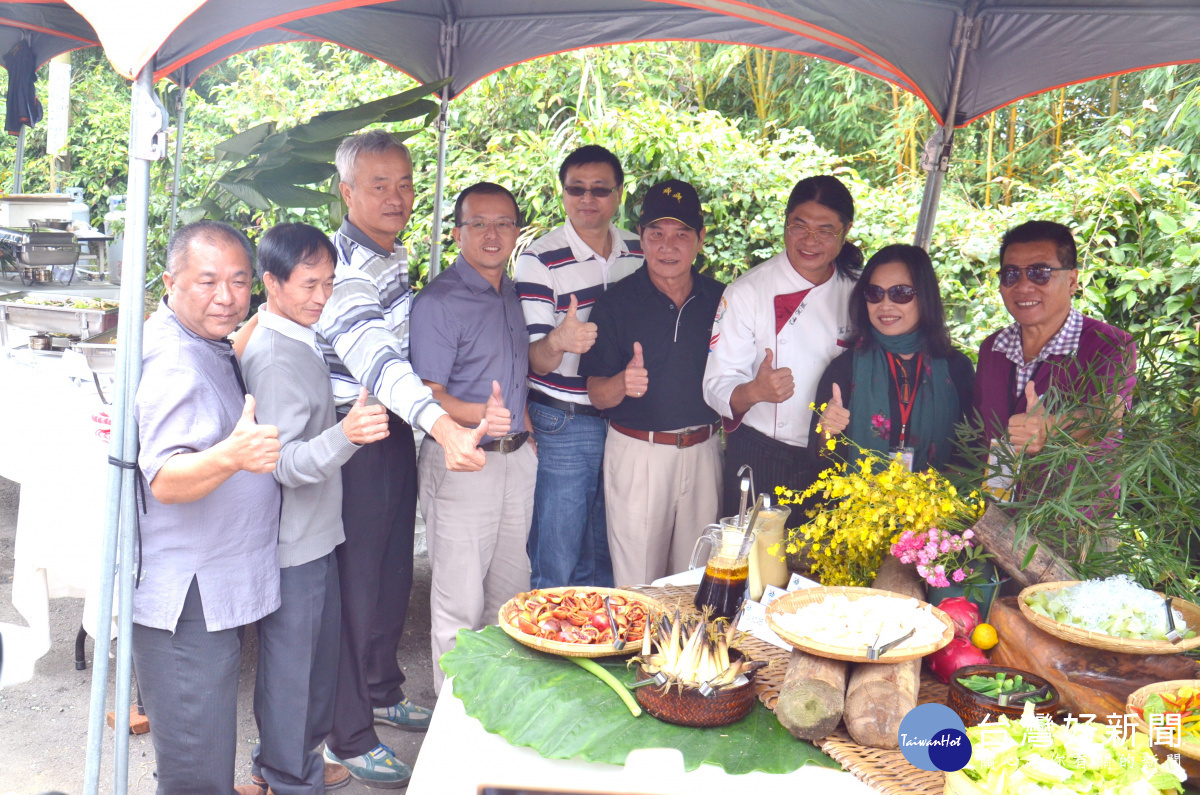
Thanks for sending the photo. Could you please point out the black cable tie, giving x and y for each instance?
(122, 464)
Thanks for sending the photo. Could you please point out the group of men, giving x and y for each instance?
(571, 417)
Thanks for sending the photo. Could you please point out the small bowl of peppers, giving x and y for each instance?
(979, 691)
(1169, 735)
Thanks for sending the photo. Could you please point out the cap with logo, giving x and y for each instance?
(674, 199)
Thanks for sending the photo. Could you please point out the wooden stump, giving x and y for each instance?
(996, 531)
(812, 696)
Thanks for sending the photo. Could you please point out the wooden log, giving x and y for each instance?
(879, 696)
(1089, 681)
(996, 531)
(812, 696)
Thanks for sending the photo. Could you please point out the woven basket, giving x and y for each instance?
(686, 707)
(1098, 640)
(795, 600)
(1138, 699)
(577, 649)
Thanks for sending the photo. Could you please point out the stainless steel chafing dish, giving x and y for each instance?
(100, 351)
(40, 245)
(56, 313)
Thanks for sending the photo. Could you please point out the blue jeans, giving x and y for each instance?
(568, 540)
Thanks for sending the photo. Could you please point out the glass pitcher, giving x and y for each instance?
(727, 571)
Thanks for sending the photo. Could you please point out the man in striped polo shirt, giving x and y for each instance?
(558, 278)
(364, 335)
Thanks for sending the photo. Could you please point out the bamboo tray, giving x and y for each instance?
(798, 599)
(1138, 699)
(1099, 640)
(577, 649)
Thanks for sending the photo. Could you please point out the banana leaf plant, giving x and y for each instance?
(271, 168)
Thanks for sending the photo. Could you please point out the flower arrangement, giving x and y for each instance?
(943, 557)
(867, 507)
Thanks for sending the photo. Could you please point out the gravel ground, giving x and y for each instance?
(43, 723)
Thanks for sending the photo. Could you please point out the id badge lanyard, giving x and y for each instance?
(906, 406)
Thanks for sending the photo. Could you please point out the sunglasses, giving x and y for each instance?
(1038, 274)
(898, 293)
(577, 191)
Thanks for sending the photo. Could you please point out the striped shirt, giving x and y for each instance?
(1064, 343)
(555, 266)
(364, 329)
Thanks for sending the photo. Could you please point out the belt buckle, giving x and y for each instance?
(679, 440)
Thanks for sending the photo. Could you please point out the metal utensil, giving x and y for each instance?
(747, 485)
(874, 651)
(659, 679)
(618, 643)
(1172, 632)
(747, 534)
(1006, 699)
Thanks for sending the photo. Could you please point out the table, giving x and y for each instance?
(459, 755)
(50, 448)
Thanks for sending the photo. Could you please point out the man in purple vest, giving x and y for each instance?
(1051, 347)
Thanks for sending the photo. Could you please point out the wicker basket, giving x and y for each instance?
(974, 707)
(1098, 640)
(577, 649)
(686, 707)
(795, 600)
(1138, 699)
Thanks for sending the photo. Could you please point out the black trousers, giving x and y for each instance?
(375, 566)
(774, 463)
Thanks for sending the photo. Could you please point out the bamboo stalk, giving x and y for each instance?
(991, 160)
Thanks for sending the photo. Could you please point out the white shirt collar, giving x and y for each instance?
(289, 328)
(583, 252)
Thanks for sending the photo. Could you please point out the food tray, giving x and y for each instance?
(1098, 640)
(53, 319)
(798, 599)
(1138, 699)
(577, 649)
(100, 351)
(885, 770)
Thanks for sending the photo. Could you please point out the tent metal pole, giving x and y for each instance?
(180, 119)
(19, 162)
(120, 504)
(435, 245)
(967, 29)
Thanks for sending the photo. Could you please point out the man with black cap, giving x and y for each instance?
(662, 457)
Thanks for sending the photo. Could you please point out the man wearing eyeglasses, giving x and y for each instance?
(470, 346)
(559, 276)
(1051, 346)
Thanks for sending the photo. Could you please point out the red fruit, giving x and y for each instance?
(954, 655)
(963, 613)
(600, 621)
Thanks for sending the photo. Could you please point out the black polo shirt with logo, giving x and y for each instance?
(675, 341)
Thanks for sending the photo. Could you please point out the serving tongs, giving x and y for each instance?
(1172, 632)
(1007, 699)
(875, 651)
(618, 642)
(748, 533)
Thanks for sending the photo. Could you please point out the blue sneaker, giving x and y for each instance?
(379, 767)
(404, 715)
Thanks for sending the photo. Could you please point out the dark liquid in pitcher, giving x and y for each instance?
(723, 588)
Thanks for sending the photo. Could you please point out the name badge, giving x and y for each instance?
(905, 455)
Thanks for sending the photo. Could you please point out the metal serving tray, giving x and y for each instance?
(54, 319)
(100, 351)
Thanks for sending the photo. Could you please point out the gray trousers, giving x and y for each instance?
(189, 683)
(297, 677)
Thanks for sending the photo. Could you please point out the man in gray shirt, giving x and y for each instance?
(298, 643)
(470, 346)
(207, 560)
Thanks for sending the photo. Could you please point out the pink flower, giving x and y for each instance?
(969, 534)
(882, 426)
(959, 575)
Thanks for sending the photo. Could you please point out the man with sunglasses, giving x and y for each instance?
(559, 278)
(1051, 346)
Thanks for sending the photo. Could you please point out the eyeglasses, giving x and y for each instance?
(577, 191)
(898, 293)
(502, 225)
(803, 232)
(1038, 274)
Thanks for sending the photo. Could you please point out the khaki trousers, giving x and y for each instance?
(476, 526)
(659, 500)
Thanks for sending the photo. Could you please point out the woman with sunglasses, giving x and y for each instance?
(901, 387)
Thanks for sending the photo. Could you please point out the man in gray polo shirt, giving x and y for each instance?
(298, 643)
(208, 560)
(470, 346)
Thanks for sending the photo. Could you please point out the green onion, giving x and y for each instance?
(610, 680)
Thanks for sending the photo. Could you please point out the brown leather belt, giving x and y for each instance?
(679, 440)
(506, 444)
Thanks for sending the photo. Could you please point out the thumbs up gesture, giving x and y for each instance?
(637, 380)
(498, 418)
(573, 335)
(1028, 430)
(254, 447)
(773, 385)
(365, 424)
(836, 416)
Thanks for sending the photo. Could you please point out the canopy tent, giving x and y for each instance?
(50, 30)
(963, 58)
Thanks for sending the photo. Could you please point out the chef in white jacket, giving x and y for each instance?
(777, 327)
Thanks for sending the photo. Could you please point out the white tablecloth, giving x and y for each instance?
(48, 445)
(459, 755)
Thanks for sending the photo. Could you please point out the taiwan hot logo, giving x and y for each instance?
(933, 737)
